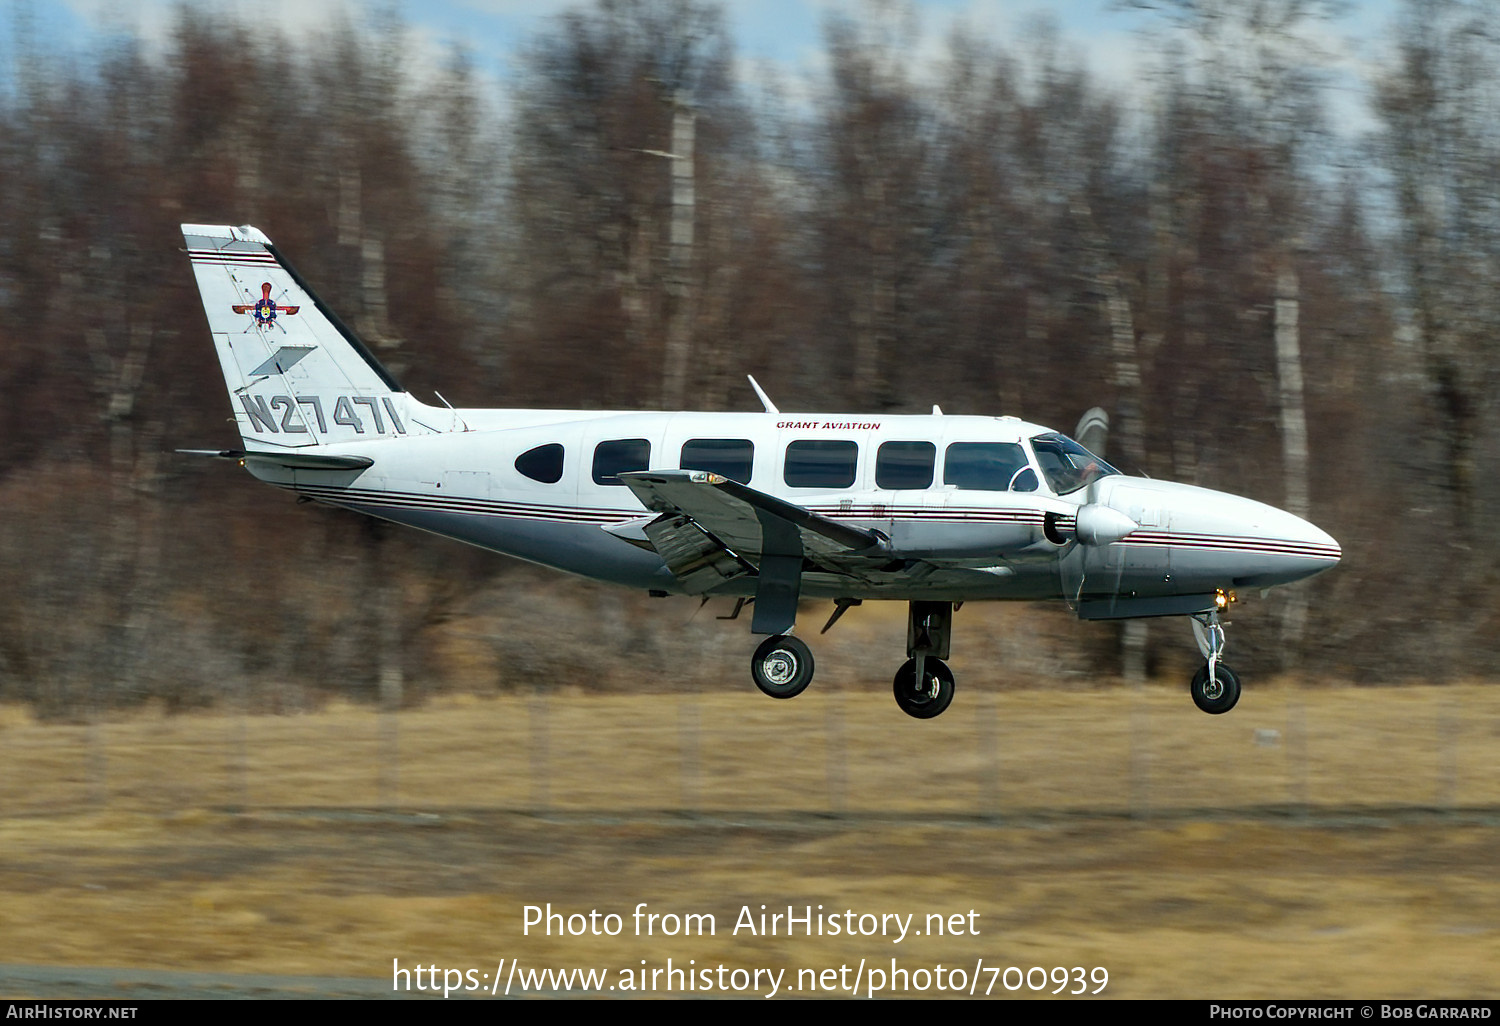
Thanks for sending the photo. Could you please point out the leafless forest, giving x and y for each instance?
(1268, 300)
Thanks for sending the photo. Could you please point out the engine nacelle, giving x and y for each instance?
(956, 539)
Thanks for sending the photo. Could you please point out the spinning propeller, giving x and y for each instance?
(1097, 524)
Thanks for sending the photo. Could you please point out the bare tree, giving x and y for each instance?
(621, 121)
(1253, 85)
(1440, 143)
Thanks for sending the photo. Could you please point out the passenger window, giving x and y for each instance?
(733, 458)
(986, 466)
(618, 456)
(905, 465)
(818, 463)
(544, 463)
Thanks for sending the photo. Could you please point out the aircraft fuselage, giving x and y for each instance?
(982, 542)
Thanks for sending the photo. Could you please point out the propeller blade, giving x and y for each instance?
(1093, 431)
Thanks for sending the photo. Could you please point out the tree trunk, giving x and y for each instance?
(680, 258)
(1293, 437)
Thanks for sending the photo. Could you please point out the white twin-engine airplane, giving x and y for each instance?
(767, 508)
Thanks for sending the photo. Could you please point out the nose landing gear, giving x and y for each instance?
(1218, 693)
(1215, 687)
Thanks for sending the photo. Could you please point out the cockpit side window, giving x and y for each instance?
(986, 466)
(1067, 465)
(905, 465)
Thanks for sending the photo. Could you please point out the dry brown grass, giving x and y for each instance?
(1313, 842)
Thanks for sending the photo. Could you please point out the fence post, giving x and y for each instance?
(688, 748)
(1447, 742)
(1296, 751)
(989, 755)
(837, 755)
(537, 720)
(1140, 752)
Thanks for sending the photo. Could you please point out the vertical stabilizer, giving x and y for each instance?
(297, 375)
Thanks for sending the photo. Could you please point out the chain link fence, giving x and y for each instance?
(1140, 752)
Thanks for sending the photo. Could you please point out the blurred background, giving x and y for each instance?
(1264, 235)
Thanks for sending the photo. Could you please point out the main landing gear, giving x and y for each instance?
(930, 697)
(924, 684)
(782, 666)
(1215, 687)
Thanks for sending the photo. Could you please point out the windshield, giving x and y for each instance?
(1067, 465)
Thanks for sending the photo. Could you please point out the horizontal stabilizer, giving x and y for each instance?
(288, 460)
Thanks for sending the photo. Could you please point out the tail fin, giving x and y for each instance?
(297, 376)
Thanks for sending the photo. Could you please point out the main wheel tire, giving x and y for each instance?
(930, 700)
(782, 666)
(1212, 699)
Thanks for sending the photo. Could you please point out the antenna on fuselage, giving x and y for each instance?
(765, 400)
(456, 415)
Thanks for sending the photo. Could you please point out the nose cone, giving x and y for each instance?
(1258, 545)
(1228, 539)
(1315, 538)
(1301, 549)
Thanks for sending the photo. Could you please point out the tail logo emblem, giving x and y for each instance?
(265, 310)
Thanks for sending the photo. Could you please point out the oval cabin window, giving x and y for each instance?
(544, 463)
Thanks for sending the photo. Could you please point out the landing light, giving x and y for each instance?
(1223, 599)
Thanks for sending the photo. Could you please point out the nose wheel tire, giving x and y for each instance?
(782, 666)
(932, 696)
(1218, 695)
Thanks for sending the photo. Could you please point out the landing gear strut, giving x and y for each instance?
(1215, 687)
(924, 684)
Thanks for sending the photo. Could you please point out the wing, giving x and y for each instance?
(710, 529)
